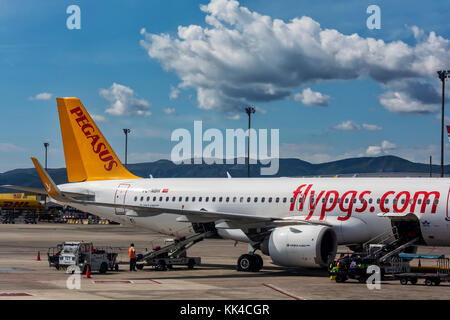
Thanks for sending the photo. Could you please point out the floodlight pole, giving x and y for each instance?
(126, 131)
(442, 76)
(249, 111)
(46, 144)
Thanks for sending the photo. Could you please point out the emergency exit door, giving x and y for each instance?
(120, 197)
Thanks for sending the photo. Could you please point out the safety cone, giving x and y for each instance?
(88, 271)
(38, 258)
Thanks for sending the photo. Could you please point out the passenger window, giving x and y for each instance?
(420, 201)
(386, 201)
(323, 200)
(187, 199)
(180, 199)
(428, 201)
(270, 199)
(284, 199)
(277, 199)
(354, 200)
(331, 200)
(173, 199)
(160, 198)
(370, 200)
(142, 198)
(234, 199)
(378, 200)
(206, 199)
(135, 198)
(193, 199)
(241, 199)
(167, 198)
(220, 199)
(199, 199)
(256, 199)
(346, 200)
(154, 198)
(248, 199)
(436, 201)
(227, 199)
(263, 199)
(403, 201)
(148, 199)
(339, 200)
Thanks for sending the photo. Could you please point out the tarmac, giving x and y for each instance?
(23, 277)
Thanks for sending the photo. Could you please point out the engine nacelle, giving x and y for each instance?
(309, 246)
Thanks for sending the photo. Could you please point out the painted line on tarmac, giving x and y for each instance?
(286, 293)
(112, 281)
(154, 281)
(15, 294)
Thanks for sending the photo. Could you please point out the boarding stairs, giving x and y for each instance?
(175, 249)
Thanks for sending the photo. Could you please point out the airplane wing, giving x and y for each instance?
(74, 195)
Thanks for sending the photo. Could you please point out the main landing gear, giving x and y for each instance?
(250, 262)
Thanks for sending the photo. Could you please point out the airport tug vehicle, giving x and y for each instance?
(72, 255)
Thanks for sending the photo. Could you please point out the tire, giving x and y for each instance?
(413, 280)
(103, 268)
(245, 263)
(161, 266)
(258, 263)
(404, 281)
(340, 279)
(362, 279)
(139, 266)
(437, 282)
(428, 282)
(191, 264)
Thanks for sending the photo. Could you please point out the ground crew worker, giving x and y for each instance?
(132, 254)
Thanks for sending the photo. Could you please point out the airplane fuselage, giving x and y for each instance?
(350, 205)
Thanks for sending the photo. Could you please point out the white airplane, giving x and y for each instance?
(299, 222)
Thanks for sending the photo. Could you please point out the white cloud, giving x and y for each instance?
(234, 116)
(242, 57)
(169, 110)
(41, 96)
(98, 118)
(383, 148)
(349, 125)
(312, 98)
(124, 102)
(401, 102)
(9, 147)
(174, 93)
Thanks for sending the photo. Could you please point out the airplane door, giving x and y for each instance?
(120, 197)
(447, 217)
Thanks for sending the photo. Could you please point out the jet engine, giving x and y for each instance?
(309, 246)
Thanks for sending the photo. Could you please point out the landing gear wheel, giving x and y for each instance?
(258, 262)
(245, 263)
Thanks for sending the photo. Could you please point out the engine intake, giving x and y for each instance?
(308, 246)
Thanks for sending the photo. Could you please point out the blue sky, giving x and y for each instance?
(370, 113)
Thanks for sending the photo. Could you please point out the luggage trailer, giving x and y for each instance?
(439, 273)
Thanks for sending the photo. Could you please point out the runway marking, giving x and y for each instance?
(151, 280)
(286, 293)
(112, 281)
(15, 294)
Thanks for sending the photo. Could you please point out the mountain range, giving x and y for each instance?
(288, 167)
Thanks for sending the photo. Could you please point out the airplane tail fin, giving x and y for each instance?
(89, 157)
(50, 186)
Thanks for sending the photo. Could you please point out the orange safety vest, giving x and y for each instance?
(132, 252)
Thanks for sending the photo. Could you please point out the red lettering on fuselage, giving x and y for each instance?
(348, 202)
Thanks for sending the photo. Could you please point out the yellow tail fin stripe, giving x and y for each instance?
(48, 183)
(89, 157)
